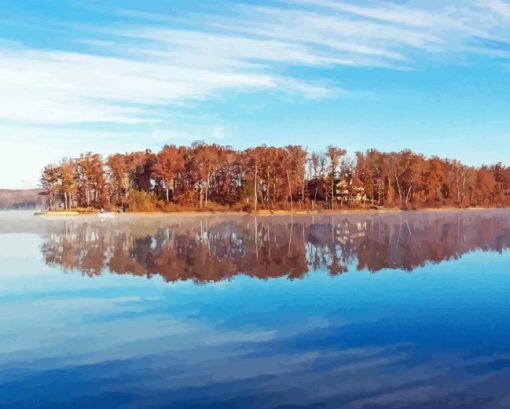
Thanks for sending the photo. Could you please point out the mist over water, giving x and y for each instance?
(407, 310)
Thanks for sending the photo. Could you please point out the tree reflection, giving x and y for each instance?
(214, 249)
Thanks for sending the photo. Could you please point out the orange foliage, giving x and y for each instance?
(266, 177)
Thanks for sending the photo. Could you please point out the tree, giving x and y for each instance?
(91, 179)
(251, 160)
(129, 171)
(68, 176)
(295, 170)
(334, 154)
(118, 172)
(169, 163)
(204, 161)
(50, 182)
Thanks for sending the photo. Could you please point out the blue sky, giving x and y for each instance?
(431, 75)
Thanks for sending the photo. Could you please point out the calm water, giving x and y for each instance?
(373, 311)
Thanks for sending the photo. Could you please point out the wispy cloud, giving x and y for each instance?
(150, 64)
(500, 7)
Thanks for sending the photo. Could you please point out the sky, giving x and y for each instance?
(118, 76)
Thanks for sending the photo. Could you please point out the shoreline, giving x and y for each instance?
(264, 213)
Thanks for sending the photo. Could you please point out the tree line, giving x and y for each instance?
(19, 198)
(209, 176)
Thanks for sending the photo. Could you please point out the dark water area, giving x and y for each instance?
(405, 310)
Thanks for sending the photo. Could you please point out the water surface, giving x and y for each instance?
(403, 310)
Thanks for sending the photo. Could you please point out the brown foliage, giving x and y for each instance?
(267, 177)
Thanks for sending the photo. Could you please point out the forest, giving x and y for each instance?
(19, 198)
(213, 177)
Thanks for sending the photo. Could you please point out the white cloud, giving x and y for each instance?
(61, 87)
(499, 6)
(139, 68)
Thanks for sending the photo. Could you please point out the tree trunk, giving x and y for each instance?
(332, 188)
(268, 193)
(379, 191)
(207, 190)
(398, 189)
(290, 189)
(303, 193)
(167, 194)
(274, 185)
(409, 194)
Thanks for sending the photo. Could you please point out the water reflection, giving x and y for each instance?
(435, 339)
(216, 248)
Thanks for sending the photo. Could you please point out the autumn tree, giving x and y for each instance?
(295, 171)
(251, 162)
(334, 154)
(205, 160)
(68, 181)
(50, 182)
(91, 179)
(168, 164)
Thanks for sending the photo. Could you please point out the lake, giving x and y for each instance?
(399, 310)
